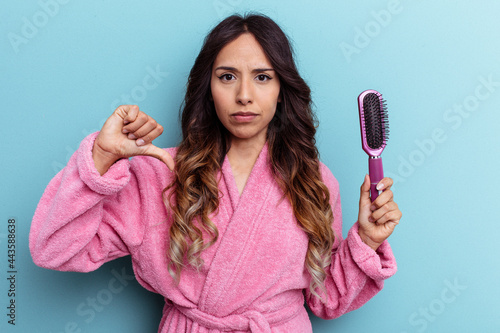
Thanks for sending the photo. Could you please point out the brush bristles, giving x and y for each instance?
(376, 121)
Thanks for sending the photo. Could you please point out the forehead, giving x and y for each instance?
(245, 50)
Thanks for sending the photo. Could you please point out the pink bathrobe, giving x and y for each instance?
(254, 278)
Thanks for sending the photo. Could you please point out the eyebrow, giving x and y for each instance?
(227, 68)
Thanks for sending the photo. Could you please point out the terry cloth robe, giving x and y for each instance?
(254, 277)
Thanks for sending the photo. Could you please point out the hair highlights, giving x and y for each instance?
(292, 148)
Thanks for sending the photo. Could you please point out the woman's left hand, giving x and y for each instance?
(377, 219)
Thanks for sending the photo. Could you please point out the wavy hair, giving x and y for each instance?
(194, 195)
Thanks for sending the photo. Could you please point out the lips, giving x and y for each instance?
(243, 113)
(244, 116)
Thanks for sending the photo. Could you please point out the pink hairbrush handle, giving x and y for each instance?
(376, 171)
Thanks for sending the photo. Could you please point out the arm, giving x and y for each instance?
(357, 272)
(82, 217)
(92, 212)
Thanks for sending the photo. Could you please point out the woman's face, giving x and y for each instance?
(245, 89)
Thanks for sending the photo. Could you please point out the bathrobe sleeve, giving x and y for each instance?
(357, 272)
(84, 219)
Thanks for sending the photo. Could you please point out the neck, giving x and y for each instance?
(243, 153)
(242, 156)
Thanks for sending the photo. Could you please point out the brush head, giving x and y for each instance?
(374, 122)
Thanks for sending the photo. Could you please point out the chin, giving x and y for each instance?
(245, 135)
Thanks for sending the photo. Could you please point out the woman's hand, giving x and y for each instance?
(377, 219)
(128, 132)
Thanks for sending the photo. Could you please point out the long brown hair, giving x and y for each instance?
(205, 142)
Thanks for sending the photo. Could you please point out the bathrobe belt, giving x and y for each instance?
(250, 320)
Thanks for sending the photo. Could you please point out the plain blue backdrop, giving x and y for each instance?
(65, 65)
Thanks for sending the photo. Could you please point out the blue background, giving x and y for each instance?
(64, 67)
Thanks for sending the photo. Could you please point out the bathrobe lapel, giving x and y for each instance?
(220, 294)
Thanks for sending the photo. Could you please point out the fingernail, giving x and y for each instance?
(140, 142)
(370, 219)
(380, 186)
(125, 131)
(372, 208)
(131, 136)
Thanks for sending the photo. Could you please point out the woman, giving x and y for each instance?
(244, 222)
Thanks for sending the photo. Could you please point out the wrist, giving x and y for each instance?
(103, 160)
(367, 240)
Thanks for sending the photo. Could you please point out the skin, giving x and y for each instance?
(242, 81)
(377, 219)
(128, 132)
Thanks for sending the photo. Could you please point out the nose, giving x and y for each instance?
(244, 94)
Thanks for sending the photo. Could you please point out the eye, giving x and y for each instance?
(263, 77)
(226, 77)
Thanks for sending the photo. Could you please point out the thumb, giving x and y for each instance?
(364, 202)
(161, 154)
(364, 197)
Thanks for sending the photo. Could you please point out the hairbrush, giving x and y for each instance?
(374, 124)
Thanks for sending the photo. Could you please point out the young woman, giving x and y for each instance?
(241, 222)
